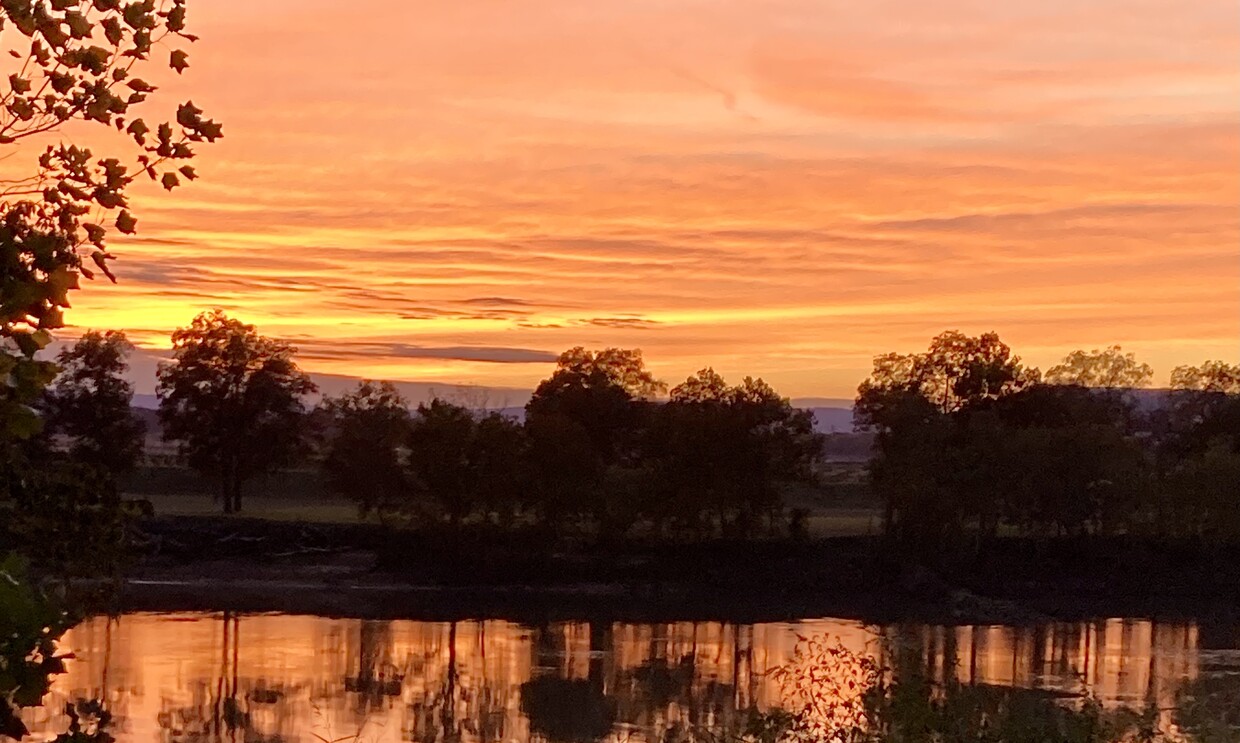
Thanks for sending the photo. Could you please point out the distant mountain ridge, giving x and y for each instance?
(831, 415)
(472, 396)
(834, 418)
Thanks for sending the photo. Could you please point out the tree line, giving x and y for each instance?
(596, 448)
(971, 443)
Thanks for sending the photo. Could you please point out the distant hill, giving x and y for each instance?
(832, 416)
(473, 396)
(835, 419)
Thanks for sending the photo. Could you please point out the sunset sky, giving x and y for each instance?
(457, 190)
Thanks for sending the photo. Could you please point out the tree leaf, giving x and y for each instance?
(125, 222)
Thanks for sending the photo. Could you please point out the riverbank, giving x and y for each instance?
(366, 570)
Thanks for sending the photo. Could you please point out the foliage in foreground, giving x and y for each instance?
(76, 62)
(835, 695)
(30, 625)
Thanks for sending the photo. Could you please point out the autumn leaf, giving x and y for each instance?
(113, 32)
(138, 129)
(94, 233)
(125, 222)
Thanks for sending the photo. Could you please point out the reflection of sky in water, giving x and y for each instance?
(290, 678)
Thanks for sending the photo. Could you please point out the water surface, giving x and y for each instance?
(196, 677)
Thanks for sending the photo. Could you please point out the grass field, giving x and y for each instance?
(282, 508)
(841, 507)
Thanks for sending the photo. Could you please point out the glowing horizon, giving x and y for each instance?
(455, 192)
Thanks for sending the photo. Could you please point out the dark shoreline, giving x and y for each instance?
(367, 571)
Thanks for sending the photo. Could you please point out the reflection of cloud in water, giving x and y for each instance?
(288, 678)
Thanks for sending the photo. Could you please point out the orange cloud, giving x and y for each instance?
(775, 188)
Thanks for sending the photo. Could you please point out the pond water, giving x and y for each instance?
(195, 677)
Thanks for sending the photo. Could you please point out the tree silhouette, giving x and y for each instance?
(497, 458)
(1199, 451)
(232, 399)
(565, 470)
(367, 429)
(30, 625)
(1211, 376)
(583, 421)
(955, 371)
(600, 392)
(89, 403)
(1205, 407)
(1108, 368)
(727, 450)
(441, 445)
(464, 462)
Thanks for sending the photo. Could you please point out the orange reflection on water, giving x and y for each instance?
(300, 678)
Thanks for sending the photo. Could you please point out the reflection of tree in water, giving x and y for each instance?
(432, 717)
(378, 679)
(449, 707)
(677, 696)
(660, 683)
(648, 692)
(260, 715)
(567, 710)
(220, 710)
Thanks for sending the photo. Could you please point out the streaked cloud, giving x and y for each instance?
(454, 192)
